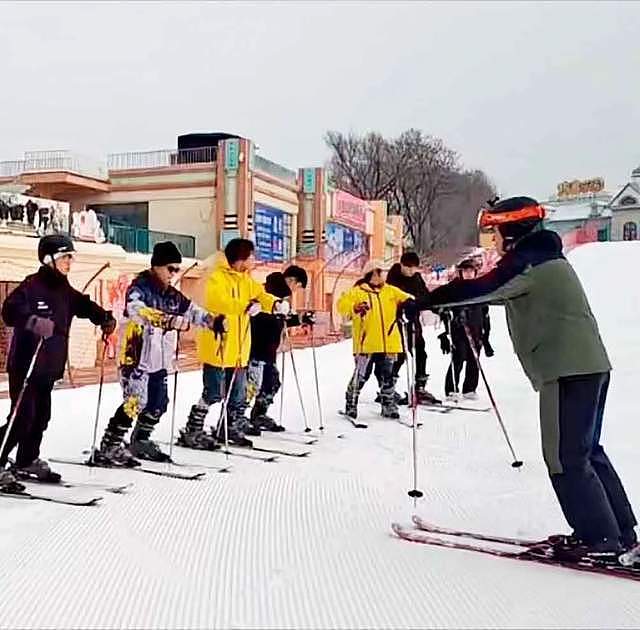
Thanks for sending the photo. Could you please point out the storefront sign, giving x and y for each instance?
(350, 210)
(343, 245)
(580, 187)
(32, 215)
(309, 180)
(268, 226)
(231, 154)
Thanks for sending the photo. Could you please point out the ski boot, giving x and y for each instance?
(389, 409)
(453, 397)
(470, 396)
(142, 445)
(193, 435)
(147, 449)
(199, 440)
(424, 397)
(351, 409)
(39, 470)
(236, 435)
(9, 484)
(265, 423)
(572, 549)
(400, 399)
(113, 455)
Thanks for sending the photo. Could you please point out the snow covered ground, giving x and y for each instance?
(306, 543)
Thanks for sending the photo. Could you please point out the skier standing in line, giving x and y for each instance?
(232, 291)
(406, 276)
(155, 312)
(556, 338)
(41, 308)
(263, 378)
(373, 306)
(454, 340)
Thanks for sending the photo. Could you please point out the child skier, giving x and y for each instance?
(556, 338)
(372, 305)
(41, 308)
(266, 336)
(405, 275)
(454, 340)
(154, 313)
(233, 292)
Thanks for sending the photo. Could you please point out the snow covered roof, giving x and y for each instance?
(577, 210)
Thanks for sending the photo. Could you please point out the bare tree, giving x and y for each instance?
(419, 177)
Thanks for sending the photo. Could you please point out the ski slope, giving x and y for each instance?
(306, 543)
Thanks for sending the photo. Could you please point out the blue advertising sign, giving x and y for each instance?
(268, 226)
(343, 240)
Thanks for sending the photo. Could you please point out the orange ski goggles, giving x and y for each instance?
(487, 218)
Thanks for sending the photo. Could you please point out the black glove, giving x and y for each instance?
(109, 324)
(445, 344)
(176, 322)
(488, 350)
(219, 326)
(408, 311)
(40, 326)
(308, 318)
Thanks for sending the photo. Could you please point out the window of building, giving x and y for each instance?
(628, 200)
(630, 231)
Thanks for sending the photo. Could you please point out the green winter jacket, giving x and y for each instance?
(553, 330)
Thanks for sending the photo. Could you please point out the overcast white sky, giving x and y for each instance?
(531, 93)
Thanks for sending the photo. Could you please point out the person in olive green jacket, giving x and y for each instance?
(556, 339)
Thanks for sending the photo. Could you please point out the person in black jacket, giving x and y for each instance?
(406, 277)
(454, 340)
(42, 307)
(266, 336)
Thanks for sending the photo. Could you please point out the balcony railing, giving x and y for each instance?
(141, 240)
(159, 158)
(35, 161)
(273, 168)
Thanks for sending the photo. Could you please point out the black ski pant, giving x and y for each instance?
(263, 381)
(461, 355)
(31, 420)
(588, 488)
(383, 364)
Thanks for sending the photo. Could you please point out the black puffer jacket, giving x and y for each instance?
(266, 329)
(414, 284)
(47, 294)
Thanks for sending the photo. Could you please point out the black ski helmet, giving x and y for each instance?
(514, 217)
(466, 263)
(52, 245)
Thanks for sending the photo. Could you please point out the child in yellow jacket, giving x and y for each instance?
(373, 307)
(233, 292)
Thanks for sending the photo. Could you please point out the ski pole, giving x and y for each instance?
(284, 354)
(297, 380)
(16, 407)
(175, 396)
(414, 493)
(315, 373)
(103, 354)
(516, 462)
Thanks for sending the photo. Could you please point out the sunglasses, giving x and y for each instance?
(173, 269)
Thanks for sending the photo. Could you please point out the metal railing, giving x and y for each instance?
(161, 157)
(35, 161)
(142, 240)
(273, 168)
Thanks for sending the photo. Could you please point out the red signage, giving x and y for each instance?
(350, 210)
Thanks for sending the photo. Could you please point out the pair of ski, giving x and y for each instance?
(62, 496)
(525, 550)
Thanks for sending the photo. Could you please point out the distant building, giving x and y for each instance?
(625, 210)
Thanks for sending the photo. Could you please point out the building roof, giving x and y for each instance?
(577, 211)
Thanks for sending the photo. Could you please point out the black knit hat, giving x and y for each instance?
(515, 230)
(165, 253)
(277, 285)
